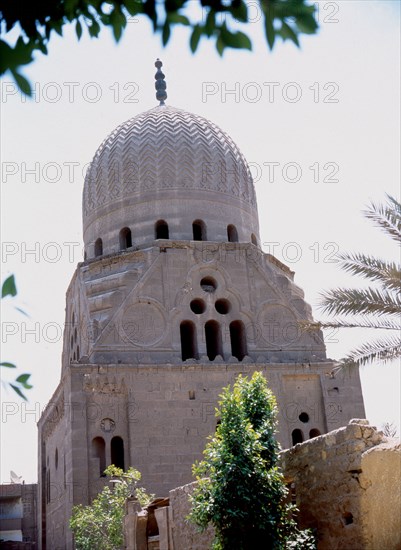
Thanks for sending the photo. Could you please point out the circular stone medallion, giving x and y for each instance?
(143, 324)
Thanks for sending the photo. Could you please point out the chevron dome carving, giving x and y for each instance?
(166, 148)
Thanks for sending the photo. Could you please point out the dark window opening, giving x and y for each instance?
(348, 518)
(117, 452)
(297, 436)
(254, 239)
(56, 458)
(98, 248)
(238, 340)
(99, 451)
(189, 348)
(214, 344)
(208, 284)
(232, 234)
(222, 306)
(161, 230)
(198, 306)
(314, 433)
(304, 417)
(199, 230)
(125, 238)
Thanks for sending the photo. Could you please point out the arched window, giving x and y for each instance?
(125, 238)
(98, 248)
(232, 234)
(314, 433)
(189, 347)
(99, 451)
(297, 436)
(161, 230)
(199, 230)
(238, 340)
(117, 452)
(214, 344)
(254, 239)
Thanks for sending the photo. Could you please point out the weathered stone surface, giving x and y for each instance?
(186, 535)
(347, 486)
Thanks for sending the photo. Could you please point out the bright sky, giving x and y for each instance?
(327, 115)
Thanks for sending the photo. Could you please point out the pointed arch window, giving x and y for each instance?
(214, 343)
(232, 234)
(189, 345)
(238, 340)
(125, 238)
(254, 239)
(199, 230)
(98, 248)
(161, 230)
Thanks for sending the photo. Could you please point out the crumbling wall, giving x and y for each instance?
(347, 486)
(184, 534)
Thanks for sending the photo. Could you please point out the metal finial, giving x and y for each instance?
(160, 84)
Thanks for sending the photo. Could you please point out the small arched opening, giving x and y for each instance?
(314, 433)
(189, 347)
(254, 239)
(232, 234)
(199, 230)
(214, 344)
(238, 340)
(297, 436)
(99, 452)
(98, 247)
(117, 451)
(161, 230)
(125, 238)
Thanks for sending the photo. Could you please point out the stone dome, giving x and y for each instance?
(171, 165)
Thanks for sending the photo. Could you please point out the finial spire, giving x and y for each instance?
(160, 84)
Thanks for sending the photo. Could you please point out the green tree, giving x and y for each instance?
(9, 288)
(240, 489)
(100, 524)
(374, 307)
(34, 23)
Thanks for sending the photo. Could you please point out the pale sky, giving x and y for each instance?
(326, 117)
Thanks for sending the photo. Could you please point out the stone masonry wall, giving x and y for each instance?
(347, 486)
(184, 534)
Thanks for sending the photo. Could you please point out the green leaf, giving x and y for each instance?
(286, 32)
(210, 25)
(78, 30)
(307, 24)
(23, 380)
(269, 30)
(195, 37)
(166, 33)
(237, 39)
(240, 12)
(9, 288)
(178, 18)
(22, 83)
(8, 365)
(118, 21)
(220, 45)
(18, 391)
(94, 29)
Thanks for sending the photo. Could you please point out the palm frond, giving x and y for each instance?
(375, 269)
(351, 301)
(385, 324)
(383, 350)
(388, 217)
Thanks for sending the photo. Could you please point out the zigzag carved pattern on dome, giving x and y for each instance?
(166, 148)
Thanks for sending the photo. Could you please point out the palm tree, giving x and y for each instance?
(374, 307)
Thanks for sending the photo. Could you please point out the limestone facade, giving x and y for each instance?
(175, 298)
